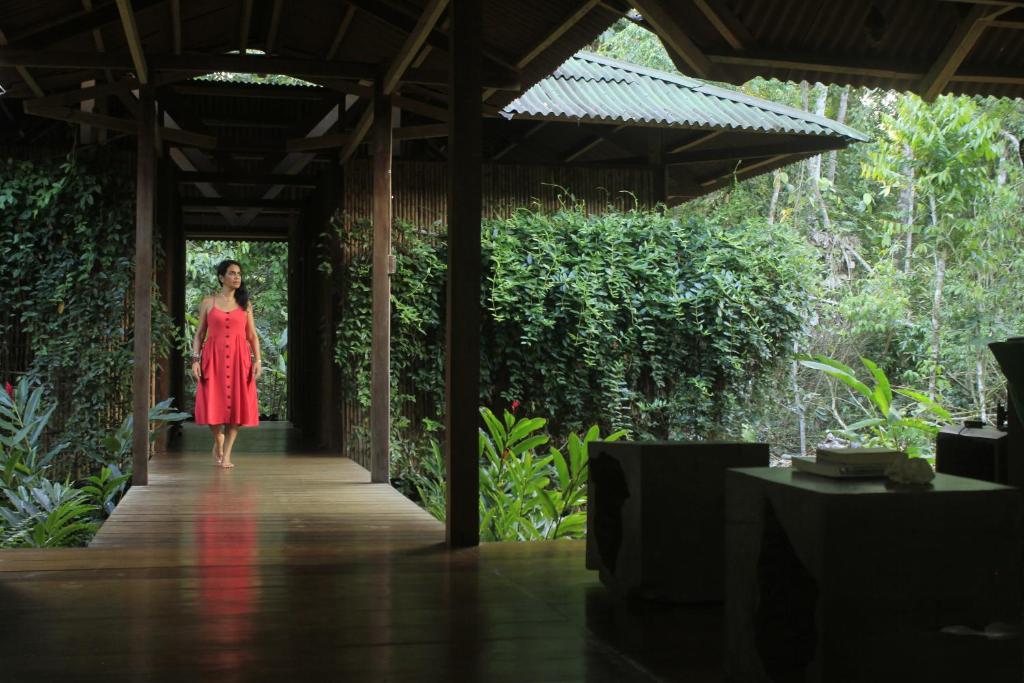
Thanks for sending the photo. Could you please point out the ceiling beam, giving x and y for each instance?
(176, 26)
(31, 82)
(956, 50)
(591, 143)
(811, 63)
(246, 179)
(339, 36)
(424, 132)
(413, 42)
(317, 143)
(696, 142)
(820, 144)
(242, 202)
(550, 38)
(97, 38)
(173, 135)
(687, 57)
(275, 26)
(726, 23)
(72, 24)
(244, 25)
(512, 144)
(362, 127)
(131, 35)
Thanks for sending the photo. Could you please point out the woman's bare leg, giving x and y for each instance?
(218, 442)
(230, 434)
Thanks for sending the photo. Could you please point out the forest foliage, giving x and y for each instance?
(916, 239)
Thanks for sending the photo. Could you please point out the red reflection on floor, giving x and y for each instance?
(225, 536)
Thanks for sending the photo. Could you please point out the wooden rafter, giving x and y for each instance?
(423, 132)
(97, 38)
(590, 143)
(131, 126)
(176, 26)
(533, 130)
(687, 57)
(244, 24)
(339, 36)
(812, 63)
(726, 23)
(756, 151)
(131, 34)
(957, 48)
(413, 42)
(550, 38)
(358, 133)
(275, 26)
(72, 24)
(23, 71)
(245, 179)
(696, 142)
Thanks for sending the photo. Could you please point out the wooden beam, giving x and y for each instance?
(173, 135)
(956, 50)
(380, 358)
(244, 25)
(31, 82)
(357, 135)
(726, 23)
(131, 35)
(757, 151)
(550, 38)
(413, 42)
(275, 26)
(145, 187)
(689, 57)
(242, 202)
(523, 138)
(176, 26)
(589, 144)
(815, 63)
(224, 178)
(72, 24)
(430, 130)
(339, 36)
(97, 38)
(320, 142)
(696, 142)
(462, 348)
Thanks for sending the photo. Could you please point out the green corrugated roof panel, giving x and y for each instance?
(588, 87)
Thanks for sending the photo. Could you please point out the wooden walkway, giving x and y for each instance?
(293, 567)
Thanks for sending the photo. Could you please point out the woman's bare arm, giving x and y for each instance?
(197, 342)
(254, 340)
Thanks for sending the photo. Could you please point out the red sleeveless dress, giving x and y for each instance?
(227, 390)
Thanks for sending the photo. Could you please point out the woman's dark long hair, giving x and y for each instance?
(241, 294)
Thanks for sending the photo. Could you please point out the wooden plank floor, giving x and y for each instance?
(292, 566)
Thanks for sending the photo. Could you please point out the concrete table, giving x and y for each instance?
(655, 515)
(853, 580)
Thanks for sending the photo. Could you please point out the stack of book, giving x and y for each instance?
(847, 462)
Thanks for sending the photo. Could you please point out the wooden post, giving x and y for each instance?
(656, 156)
(380, 361)
(144, 199)
(462, 351)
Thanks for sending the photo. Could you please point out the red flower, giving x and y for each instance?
(515, 407)
(9, 389)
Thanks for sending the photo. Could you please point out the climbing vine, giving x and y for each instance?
(67, 271)
(636, 320)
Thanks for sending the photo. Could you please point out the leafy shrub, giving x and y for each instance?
(523, 496)
(633, 319)
(911, 428)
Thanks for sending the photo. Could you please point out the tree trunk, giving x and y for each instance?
(979, 372)
(776, 187)
(940, 278)
(907, 199)
(798, 404)
(844, 97)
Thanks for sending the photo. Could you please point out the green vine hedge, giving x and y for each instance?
(631, 320)
(66, 273)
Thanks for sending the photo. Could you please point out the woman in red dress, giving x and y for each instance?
(225, 373)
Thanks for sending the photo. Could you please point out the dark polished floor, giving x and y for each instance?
(292, 566)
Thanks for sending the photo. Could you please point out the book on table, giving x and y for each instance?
(858, 456)
(837, 470)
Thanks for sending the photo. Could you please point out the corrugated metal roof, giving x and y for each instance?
(592, 88)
